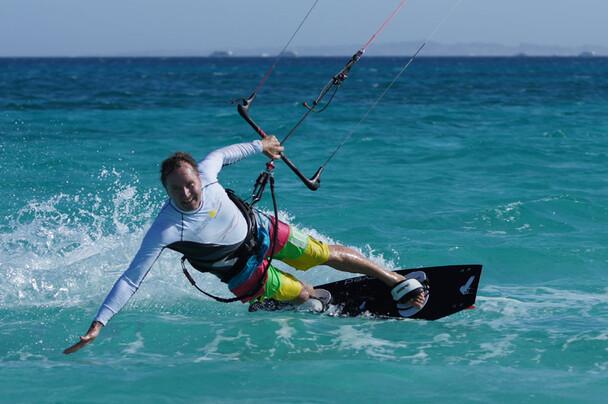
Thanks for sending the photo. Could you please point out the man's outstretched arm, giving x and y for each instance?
(123, 289)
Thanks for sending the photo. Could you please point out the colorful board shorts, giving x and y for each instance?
(294, 248)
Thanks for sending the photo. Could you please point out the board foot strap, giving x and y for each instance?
(406, 290)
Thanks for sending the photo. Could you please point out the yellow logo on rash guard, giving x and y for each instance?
(213, 213)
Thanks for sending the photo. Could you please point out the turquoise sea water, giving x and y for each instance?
(502, 162)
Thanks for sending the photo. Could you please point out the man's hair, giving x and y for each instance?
(173, 162)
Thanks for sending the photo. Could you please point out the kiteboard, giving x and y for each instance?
(448, 290)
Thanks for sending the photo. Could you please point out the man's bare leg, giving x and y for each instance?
(348, 260)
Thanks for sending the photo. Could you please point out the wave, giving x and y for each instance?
(59, 249)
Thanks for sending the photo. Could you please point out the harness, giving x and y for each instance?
(248, 247)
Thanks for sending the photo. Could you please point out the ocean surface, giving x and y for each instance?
(496, 161)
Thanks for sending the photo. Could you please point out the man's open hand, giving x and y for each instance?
(91, 334)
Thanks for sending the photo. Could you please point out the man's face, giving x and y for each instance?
(184, 187)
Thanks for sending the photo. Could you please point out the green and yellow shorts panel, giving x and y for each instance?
(298, 250)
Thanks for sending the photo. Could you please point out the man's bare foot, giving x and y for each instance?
(409, 291)
(418, 301)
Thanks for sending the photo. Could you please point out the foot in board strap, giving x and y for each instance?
(320, 300)
(411, 294)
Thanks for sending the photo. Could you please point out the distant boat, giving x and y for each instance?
(220, 54)
(586, 54)
(520, 55)
(289, 54)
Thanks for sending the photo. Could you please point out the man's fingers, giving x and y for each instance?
(275, 155)
(272, 147)
(418, 301)
(276, 151)
(84, 340)
(75, 347)
(71, 349)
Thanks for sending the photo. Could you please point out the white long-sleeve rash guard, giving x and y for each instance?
(215, 226)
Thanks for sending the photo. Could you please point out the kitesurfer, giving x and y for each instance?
(218, 233)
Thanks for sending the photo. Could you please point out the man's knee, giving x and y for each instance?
(338, 254)
(334, 253)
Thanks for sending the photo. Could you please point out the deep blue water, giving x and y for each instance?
(498, 161)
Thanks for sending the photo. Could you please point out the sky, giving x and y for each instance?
(123, 27)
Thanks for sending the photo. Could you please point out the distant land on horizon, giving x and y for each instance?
(470, 49)
(460, 49)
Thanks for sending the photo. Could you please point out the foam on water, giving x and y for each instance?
(57, 251)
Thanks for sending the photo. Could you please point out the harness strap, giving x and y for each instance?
(255, 291)
(247, 248)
